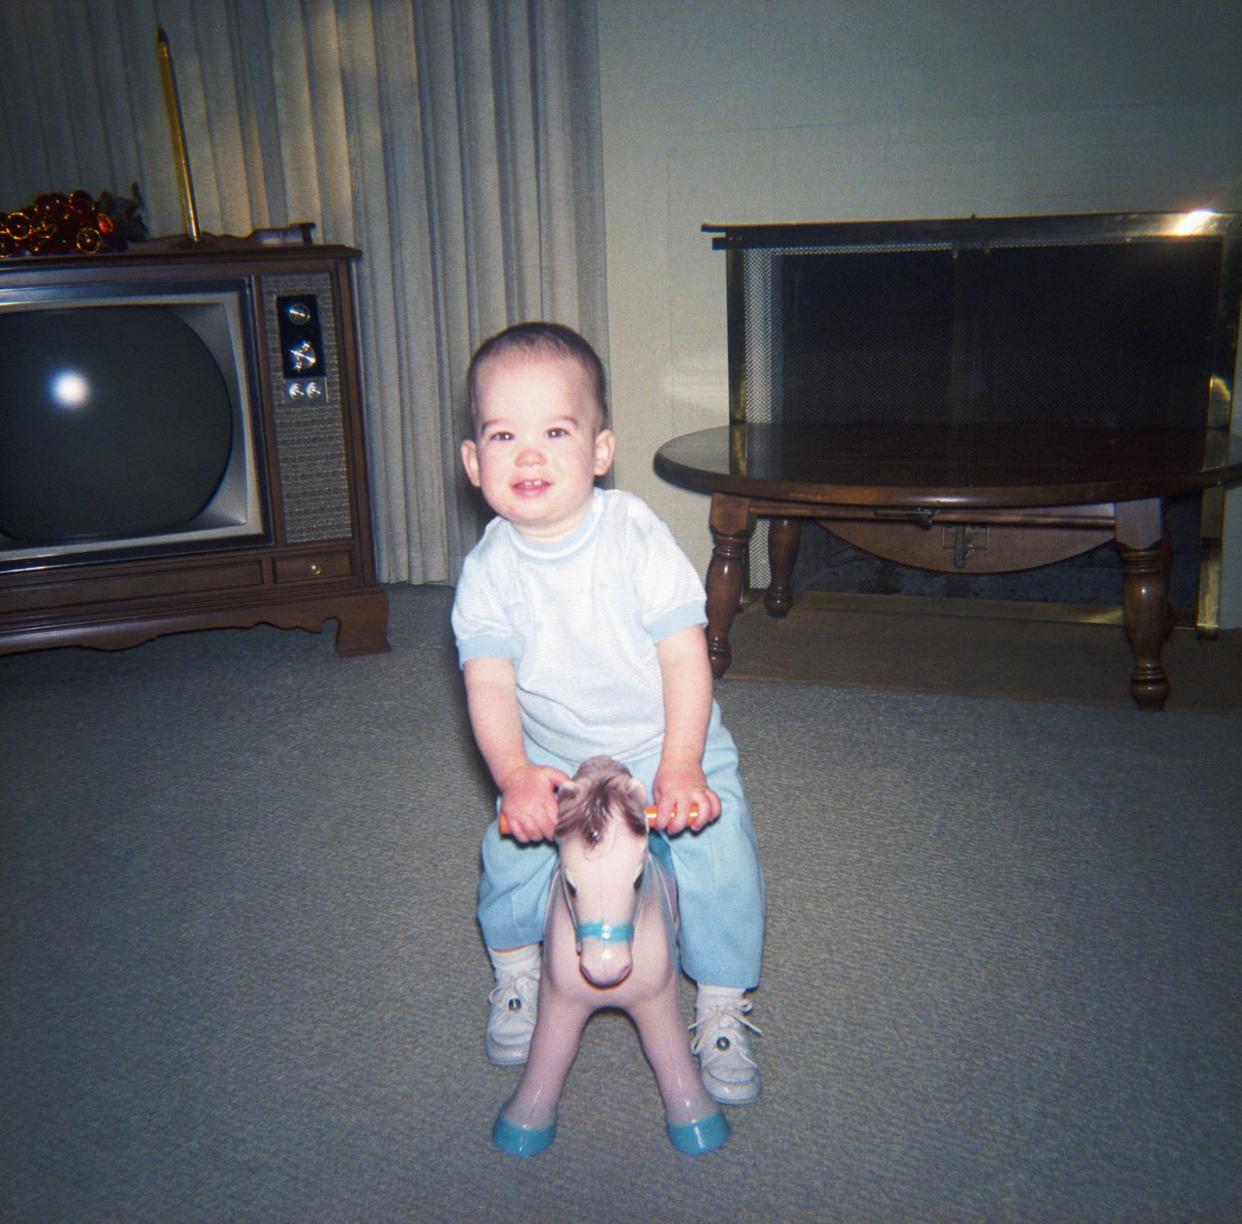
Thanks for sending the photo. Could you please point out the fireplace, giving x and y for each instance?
(1117, 320)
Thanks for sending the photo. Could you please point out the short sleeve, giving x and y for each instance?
(482, 626)
(671, 594)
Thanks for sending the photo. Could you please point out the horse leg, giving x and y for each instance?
(526, 1125)
(693, 1120)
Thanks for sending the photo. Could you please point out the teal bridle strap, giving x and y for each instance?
(606, 932)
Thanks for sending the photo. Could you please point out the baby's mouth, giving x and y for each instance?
(529, 488)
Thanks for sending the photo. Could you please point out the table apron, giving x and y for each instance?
(1096, 516)
(997, 540)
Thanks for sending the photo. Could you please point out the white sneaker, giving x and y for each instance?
(511, 1023)
(723, 1046)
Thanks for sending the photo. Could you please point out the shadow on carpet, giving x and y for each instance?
(978, 656)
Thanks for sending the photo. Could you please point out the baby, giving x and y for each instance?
(580, 631)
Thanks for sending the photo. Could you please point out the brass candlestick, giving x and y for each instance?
(177, 130)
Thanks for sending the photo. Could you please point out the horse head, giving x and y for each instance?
(602, 836)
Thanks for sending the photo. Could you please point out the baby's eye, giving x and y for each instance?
(501, 435)
(558, 431)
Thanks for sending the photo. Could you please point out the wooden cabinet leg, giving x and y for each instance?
(731, 524)
(363, 625)
(784, 536)
(1146, 612)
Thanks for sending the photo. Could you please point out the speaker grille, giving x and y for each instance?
(310, 436)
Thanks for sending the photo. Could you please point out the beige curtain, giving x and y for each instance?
(456, 142)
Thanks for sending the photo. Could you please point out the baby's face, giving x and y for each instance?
(539, 447)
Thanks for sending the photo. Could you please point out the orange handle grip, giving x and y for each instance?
(649, 812)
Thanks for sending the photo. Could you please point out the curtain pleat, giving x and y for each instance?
(456, 142)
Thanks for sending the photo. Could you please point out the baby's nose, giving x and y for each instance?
(530, 455)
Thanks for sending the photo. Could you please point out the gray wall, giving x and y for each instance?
(791, 110)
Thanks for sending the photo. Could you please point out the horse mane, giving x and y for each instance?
(601, 791)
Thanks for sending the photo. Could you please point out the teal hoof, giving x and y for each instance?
(522, 1140)
(705, 1135)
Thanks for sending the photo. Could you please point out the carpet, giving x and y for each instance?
(243, 981)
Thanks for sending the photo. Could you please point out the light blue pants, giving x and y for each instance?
(719, 880)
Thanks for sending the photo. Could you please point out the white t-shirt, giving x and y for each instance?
(580, 620)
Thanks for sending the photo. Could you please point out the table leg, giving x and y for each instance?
(731, 524)
(784, 536)
(1145, 555)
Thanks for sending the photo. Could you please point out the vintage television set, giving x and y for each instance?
(181, 446)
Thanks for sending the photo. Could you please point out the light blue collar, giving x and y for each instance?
(554, 550)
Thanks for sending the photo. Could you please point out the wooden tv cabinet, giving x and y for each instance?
(314, 562)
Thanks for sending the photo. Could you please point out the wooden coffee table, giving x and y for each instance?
(922, 496)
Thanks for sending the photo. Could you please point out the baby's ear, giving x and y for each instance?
(605, 449)
(470, 461)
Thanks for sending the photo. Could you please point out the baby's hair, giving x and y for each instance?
(538, 339)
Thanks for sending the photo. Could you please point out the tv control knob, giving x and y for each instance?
(303, 356)
(299, 313)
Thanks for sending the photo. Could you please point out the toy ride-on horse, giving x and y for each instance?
(609, 940)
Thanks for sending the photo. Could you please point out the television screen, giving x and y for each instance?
(126, 423)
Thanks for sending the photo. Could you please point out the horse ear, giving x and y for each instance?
(637, 790)
(567, 792)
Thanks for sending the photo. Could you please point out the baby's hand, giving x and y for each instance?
(679, 789)
(528, 810)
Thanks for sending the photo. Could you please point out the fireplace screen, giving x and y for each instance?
(1125, 321)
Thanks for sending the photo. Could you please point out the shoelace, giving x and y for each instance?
(522, 986)
(714, 1022)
